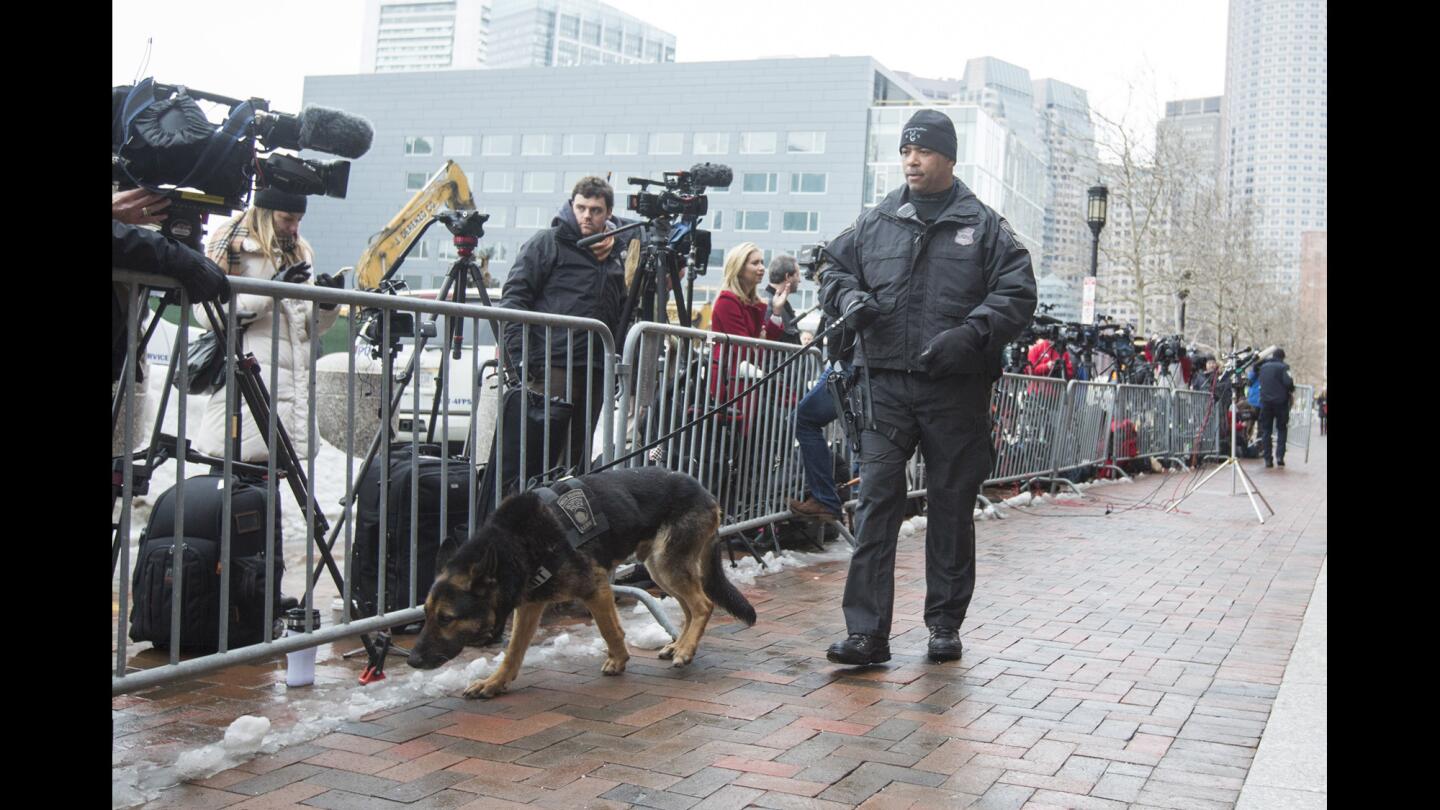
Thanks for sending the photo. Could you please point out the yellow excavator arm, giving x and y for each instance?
(447, 188)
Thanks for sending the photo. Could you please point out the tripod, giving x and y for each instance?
(1233, 463)
(659, 263)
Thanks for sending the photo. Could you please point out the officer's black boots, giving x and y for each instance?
(944, 644)
(859, 650)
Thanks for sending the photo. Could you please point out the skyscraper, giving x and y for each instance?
(545, 33)
(1193, 124)
(424, 35)
(1274, 119)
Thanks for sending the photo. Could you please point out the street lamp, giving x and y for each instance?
(1095, 216)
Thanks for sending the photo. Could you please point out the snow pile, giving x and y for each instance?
(141, 783)
(747, 569)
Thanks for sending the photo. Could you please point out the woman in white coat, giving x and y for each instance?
(264, 243)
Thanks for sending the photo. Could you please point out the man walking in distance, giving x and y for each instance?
(936, 283)
(1276, 390)
(551, 274)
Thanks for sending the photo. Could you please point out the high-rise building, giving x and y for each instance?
(1313, 364)
(1069, 135)
(424, 35)
(404, 35)
(1274, 121)
(545, 33)
(1192, 126)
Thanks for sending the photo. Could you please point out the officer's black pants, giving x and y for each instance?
(949, 418)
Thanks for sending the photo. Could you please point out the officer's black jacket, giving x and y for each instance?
(1276, 384)
(551, 274)
(967, 268)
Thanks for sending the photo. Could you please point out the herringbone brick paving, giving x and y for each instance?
(1128, 659)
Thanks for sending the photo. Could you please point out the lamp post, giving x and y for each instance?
(1095, 215)
(1183, 294)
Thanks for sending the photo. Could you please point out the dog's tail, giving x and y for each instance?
(721, 591)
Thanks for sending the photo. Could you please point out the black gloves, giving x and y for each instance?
(205, 281)
(296, 273)
(861, 311)
(336, 282)
(954, 351)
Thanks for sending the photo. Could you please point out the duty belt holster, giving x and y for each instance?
(571, 502)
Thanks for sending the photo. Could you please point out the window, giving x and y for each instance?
(800, 221)
(712, 143)
(808, 182)
(757, 143)
(760, 183)
(805, 143)
(497, 216)
(539, 182)
(421, 251)
(535, 145)
(591, 32)
(457, 145)
(717, 220)
(529, 216)
(497, 182)
(419, 145)
(414, 181)
(752, 220)
(570, 26)
(620, 144)
(666, 143)
(497, 144)
(579, 144)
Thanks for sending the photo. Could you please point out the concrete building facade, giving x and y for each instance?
(405, 35)
(559, 33)
(797, 133)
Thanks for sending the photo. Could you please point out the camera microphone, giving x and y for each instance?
(714, 175)
(334, 131)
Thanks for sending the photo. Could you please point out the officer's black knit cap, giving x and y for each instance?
(277, 200)
(932, 130)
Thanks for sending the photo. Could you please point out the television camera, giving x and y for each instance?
(162, 141)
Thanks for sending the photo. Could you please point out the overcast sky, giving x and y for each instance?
(1164, 49)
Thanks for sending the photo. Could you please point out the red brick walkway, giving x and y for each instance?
(1128, 659)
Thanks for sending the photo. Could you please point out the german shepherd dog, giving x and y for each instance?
(666, 519)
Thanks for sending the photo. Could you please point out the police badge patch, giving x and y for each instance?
(965, 236)
(577, 508)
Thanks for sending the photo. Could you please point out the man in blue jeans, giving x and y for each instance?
(815, 411)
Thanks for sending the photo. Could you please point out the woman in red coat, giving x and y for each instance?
(739, 311)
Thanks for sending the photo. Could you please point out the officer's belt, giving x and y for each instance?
(571, 502)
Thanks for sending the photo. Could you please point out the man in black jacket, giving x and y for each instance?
(784, 272)
(1276, 388)
(937, 284)
(551, 274)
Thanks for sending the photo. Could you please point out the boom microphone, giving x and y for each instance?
(714, 175)
(335, 131)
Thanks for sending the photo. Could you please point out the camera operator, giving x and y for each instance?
(784, 281)
(937, 283)
(1276, 390)
(552, 274)
(136, 247)
(264, 242)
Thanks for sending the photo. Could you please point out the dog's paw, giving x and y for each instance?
(682, 658)
(614, 666)
(487, 688)
(667, 652)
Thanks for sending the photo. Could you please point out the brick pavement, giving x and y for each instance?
(1129, 659)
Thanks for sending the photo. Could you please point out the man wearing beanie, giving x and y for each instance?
(936, 283)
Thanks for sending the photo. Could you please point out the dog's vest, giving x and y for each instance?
(570, 501)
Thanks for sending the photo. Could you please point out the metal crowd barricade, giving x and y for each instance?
(746, 454)
(1302, 406)
(1141, 428)
(1025, 420)
(333, 544)
(1194, 424)
(1085, 428)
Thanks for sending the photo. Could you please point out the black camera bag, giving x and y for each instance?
(153, 582)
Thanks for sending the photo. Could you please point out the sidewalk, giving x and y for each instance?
(1133, 659)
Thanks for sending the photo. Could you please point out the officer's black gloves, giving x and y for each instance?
(333, 282)
(861, 311)
(294, 274)
(204, 280)
(954, 351)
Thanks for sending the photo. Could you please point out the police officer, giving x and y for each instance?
(936, 283)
